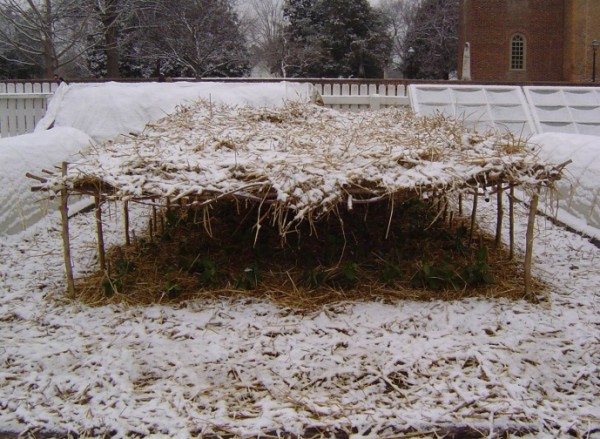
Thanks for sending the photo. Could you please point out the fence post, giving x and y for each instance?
(374, 102)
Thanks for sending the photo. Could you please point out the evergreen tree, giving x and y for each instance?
(354, 38)
(332, 38)
(302, 52)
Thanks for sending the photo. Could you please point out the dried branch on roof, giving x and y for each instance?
(301, 157)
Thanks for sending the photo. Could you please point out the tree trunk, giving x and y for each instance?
(109, 21)
(47, 37)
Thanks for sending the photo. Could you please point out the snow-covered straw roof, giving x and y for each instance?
(301, 157)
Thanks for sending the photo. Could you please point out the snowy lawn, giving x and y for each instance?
(249, 367)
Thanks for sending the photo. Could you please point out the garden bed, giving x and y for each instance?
(361, 255)
(297, 172)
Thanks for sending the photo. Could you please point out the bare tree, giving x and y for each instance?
(400, 16)
(194, 37)
(433, 38)
(44, 33)
(266, 35)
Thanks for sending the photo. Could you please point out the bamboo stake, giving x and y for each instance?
(151, 229)
(460, 205)
(511, 213)
(474, 214)
(64, 213)
(389, 225)
(154, 222)
(500, 214)
(529, 243)
(444, 204)
(126, 221)
(99, 232)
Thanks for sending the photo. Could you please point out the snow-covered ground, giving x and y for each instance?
(249, 367)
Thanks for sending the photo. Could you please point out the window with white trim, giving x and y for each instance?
(517, 52)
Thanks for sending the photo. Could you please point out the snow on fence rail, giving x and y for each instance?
(22, 105)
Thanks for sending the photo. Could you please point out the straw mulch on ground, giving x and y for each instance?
(216, 252)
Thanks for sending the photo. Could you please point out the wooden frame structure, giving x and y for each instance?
(288, 179)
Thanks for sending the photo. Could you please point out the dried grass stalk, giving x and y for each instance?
(64, 211)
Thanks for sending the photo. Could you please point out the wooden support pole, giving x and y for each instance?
(126, 222)
(473, 215)
(99, 231)
(151, 230)
(500, 214)
(445, 215)
(511, 224)
(154, 222)
(64, 213)
(460, 205)
(529, 244)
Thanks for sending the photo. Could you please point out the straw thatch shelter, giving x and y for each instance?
(300, 164)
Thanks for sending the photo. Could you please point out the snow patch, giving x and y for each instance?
(20, 207)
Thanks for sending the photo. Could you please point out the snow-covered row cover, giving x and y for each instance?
(19, 207)
(302, 156)
(579, 191)
(106, 110)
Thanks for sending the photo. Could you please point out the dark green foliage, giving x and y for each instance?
(112, 286)
(248, 278)
(447, 274)
(352, 251)
(391, 273)
(349, 273)
(123, 267)
(333, 38)
(316, 278)
(437, 276)
(117, 281)
(173, 290)
(478, 273)
(206, 271)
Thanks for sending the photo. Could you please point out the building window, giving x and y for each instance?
(517, 52)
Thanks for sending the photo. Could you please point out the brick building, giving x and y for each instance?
(530, 40)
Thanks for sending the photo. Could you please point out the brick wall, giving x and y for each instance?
(488, 26)
(582, 26)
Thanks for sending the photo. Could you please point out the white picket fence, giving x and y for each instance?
(362, 96)
(22, 105)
